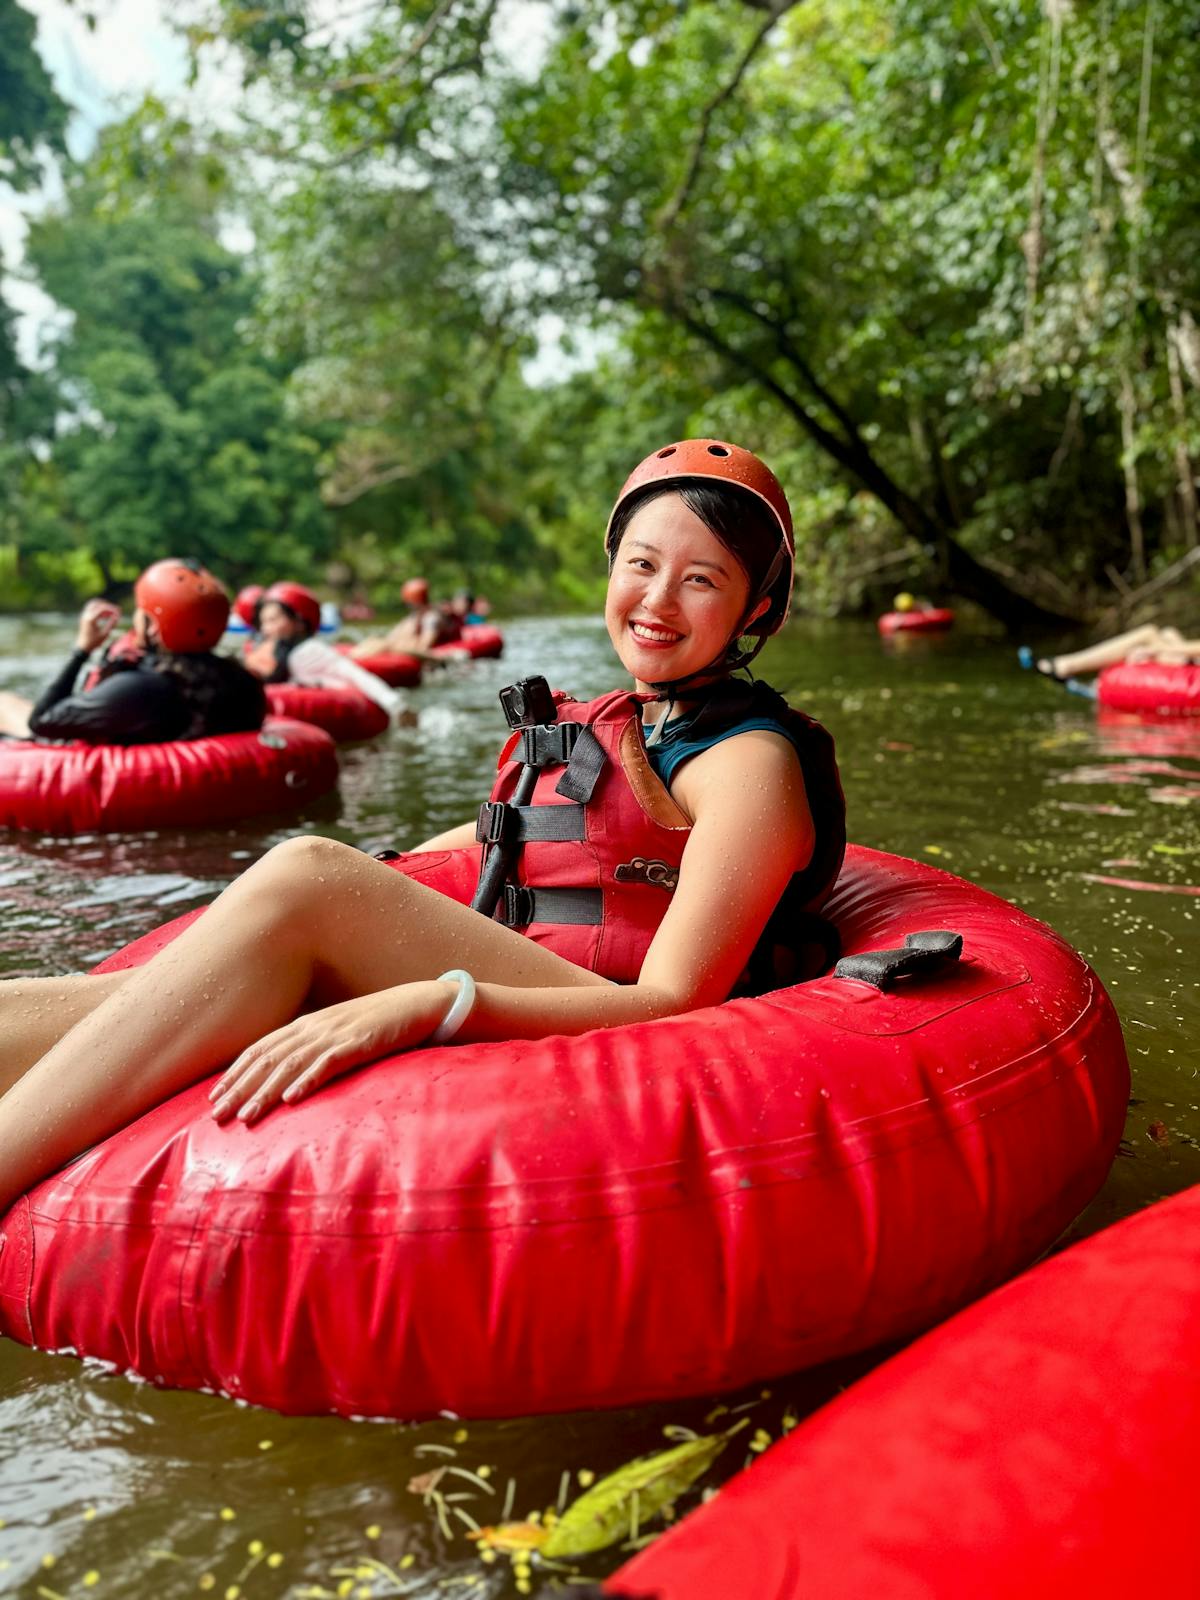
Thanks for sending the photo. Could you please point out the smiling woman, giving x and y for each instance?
(644, 879)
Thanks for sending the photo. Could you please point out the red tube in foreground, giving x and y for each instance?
(1041, 1444)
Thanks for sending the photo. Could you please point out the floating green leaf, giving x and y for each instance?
(627, 1499)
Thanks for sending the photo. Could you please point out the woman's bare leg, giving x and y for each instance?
(314, 922)
(36, 1012)
(1111, 651)
(14, 714)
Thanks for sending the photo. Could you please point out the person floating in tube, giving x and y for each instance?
(417, 633)
(710, 825)
(285, 649)
(1165, 646)
(158, 683)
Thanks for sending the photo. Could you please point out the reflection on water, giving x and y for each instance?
(948, 754)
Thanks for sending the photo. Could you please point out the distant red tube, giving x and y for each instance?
(82, 788)
(1150, 686)
(346, 714)
(668, 1209)
(479, 640)
(399, 670)
(1040, 1444)
(933, 620)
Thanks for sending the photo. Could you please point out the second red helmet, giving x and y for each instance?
(302, 602)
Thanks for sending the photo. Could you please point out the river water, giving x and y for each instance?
(949, 754)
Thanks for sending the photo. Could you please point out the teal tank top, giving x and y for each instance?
(679, 742)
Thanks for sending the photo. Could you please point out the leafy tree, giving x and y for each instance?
(33, 116)
(179, 436)
(940, 255)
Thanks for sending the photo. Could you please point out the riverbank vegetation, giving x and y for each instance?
(454, 266)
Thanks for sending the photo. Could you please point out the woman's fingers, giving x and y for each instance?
(299, 1068)
(241, 1082)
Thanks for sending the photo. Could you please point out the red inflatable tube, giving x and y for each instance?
(478, 640)
(399, 671)
(934, 620)
(1150, 686)
(1041, 1444)
(669, 1209)
(82, 788)
(346, 714)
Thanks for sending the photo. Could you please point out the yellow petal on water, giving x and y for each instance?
(207, 1582)
(256, 1547)
(406, 1561)
(233, 1592)
(227, 1513)
(935, 850)
(483, 1472)
(345, 1587)
(89, 1513)
(275, 1559)
(374, 1531)
(91, 1579)
(266, 1444)
(49, 1560)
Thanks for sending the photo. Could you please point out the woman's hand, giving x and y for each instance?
(96, 622)
(310, 1051)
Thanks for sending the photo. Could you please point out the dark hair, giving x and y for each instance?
(739, 520)
(214, 689)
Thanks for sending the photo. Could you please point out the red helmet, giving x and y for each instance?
(188, 604)
(302, 602)
(698, 459)
(246, 604)
(415, 592)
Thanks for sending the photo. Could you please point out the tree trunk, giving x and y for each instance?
(967, 576)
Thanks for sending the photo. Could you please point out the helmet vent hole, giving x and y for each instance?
(717, 450)
(669, 451)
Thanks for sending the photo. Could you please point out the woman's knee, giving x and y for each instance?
(303, 869)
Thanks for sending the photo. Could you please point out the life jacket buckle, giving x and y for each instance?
(518, 906)
(660, 873)
(549, 745)
(495, 822)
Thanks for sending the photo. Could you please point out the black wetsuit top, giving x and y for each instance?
(138, 704)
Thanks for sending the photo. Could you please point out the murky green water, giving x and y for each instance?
(948, 753)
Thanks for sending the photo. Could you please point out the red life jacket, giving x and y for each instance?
(602, 839)
(117, 654)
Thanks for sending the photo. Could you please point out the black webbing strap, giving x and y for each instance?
(923, 953)
(521, 906)
(579, 781)
(500, 823)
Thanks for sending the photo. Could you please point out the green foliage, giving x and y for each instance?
(33, 117)
(175, 433)
(937, 259)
